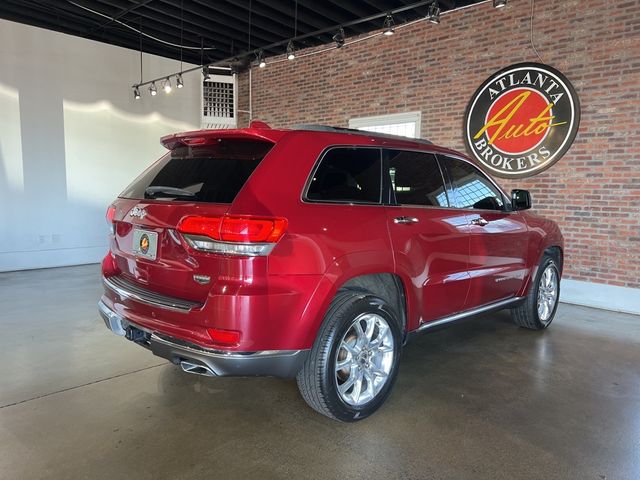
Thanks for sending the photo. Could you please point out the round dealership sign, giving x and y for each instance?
(522, 120)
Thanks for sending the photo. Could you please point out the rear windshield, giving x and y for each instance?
(209, 173)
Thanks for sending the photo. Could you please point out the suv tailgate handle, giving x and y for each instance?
(406, 220)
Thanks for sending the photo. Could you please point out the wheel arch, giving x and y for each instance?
(554, 251)
(387, 286)
(380, 281)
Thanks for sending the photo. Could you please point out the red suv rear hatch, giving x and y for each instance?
(200, 176)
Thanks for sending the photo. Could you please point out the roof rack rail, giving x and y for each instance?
(328, 128)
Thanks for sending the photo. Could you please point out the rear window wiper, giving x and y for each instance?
(166, 191)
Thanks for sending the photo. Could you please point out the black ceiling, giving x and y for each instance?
(221, 24)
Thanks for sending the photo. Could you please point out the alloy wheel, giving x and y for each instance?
(547, 293)
(364, 359)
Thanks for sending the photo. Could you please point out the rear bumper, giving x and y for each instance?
(277, 312)
(196, 359)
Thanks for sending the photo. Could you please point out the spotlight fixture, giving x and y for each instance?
(136, 92)
(205, 74)
(260, 57)
(291, 51)
(389, 25)
(499, 3)
(167, 85)
(179, 81)
(434, 13)
(153, 90)
(339, 38)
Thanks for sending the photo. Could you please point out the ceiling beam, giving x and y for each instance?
(229, 16)
(121, 38)
(223, 24)
(354, 8)
(383, 6)
(122, 13)
(195, 25)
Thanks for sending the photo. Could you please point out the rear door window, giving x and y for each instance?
(207, 173)
(347, 174)
(471, 188)
(415, 179)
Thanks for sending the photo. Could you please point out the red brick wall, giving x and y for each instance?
(593, 192)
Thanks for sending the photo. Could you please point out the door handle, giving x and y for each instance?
(481, 222)
(405, 220)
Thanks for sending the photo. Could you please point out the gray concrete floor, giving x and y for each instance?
(480, 400)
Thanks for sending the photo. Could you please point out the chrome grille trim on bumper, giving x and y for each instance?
(129, 290)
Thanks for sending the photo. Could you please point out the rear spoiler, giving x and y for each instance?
(258, 131)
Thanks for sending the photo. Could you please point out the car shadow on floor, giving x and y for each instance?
(428, 358)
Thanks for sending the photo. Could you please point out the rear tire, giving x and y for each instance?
(353, 364)
(540, 305)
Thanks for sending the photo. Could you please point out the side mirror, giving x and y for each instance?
(520, 199)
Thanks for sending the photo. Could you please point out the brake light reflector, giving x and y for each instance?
(224, 337)
(242, 235)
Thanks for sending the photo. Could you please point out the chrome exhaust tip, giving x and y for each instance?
(196, 369)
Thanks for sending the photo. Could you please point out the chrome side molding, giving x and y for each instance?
(500, 304)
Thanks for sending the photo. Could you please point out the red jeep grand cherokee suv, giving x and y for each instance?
(314, 253)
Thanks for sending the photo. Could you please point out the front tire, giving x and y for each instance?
(539, 308)
(354, 361)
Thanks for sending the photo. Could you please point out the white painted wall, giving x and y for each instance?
(72, 137)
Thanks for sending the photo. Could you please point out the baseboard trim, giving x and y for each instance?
(67, 257)
(599, 295)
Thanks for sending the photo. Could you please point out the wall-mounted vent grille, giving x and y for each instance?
(219, 100)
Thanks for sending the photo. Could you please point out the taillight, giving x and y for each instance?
(111, 215)
(206, 226)
(234, 235)
(247, 230)
(224, 337)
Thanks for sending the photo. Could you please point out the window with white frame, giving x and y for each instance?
(403, 124)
